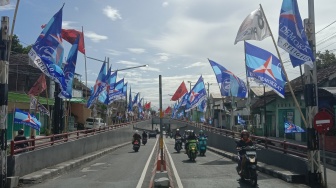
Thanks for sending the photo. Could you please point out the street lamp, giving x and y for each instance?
(190, 84)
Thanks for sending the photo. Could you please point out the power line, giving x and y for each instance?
(326, 27)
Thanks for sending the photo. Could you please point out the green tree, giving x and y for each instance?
(17, 46)
(325, 59)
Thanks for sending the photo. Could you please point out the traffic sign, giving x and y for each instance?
(323, 121)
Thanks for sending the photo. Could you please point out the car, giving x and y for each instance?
(94, 123)
(152, 134)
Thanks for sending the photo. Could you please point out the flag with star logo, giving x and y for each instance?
(24, 118)
(196, 95)
(290, 127)
(99, 85)
(116, 92)
(230, 84)
(47, 51)
(265, 67)
(292, 36)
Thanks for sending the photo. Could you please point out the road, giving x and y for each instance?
(125, 168)
(216, 171)
(120, 168)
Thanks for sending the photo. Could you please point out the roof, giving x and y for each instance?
(331, 90)
(259, 90)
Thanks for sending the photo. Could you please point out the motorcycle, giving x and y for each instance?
(249, 171)
(202, 145)
(136, 145)
(192, 150)
(178, 144)
(144, 140)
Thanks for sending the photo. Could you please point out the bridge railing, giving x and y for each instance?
(268, 143)
(48, 141)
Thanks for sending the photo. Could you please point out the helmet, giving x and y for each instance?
(244, 132)
(21, 131)
(201, 132)
(136, 131)
(177, 130)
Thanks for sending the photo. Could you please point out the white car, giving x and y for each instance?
(94, 123)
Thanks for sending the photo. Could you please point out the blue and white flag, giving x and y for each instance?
(240, 120)
(99, 85)
(140, 106)
(111, 79)
(197, 94)
(184, 100)
(130, 103)
(47, 51)
(116, 92)
(265, 67)
(290, 127)
(69, 70)
(230, 84)
(24, 118)
(125, 91)
(292, 37)
(203, 106)
(135, 100)
(103, 97)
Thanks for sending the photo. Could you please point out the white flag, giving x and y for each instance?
(4, 2)
(33, 102)
(254, 27)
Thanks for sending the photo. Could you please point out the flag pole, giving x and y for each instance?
(86, 94)
(49, 117)
(289, 85)
(248, 87)
(12, 30)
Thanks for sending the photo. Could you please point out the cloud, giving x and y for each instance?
(163, 56)
(7, 7)
(128, 63)
(113, 52)
(197, 64)
(95, 37)
(165, 4)
(150, 69)
(112, 13)
(67, 24)
(137, 50)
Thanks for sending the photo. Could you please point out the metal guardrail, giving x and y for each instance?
(48, 141)
(268, 143)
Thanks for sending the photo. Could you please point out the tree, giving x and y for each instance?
(324, 60)
(17, 46)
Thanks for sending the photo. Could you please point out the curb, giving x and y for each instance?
(282, 174)
(47, 173)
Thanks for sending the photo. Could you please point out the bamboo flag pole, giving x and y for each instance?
(289, 85)
(12, 30)
(49, 117)
(248, 86)
(86, 94)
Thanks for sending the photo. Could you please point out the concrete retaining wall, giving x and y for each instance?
(26, 163)
(271, 157)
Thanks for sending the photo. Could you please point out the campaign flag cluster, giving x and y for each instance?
(47, 51)
(130, 103)
(292, 37)
(230, 84)
(99, 85)
(116, 92)
(196, 95)
(25, 118)
(265, 67)
(253, 27)
(135, 100)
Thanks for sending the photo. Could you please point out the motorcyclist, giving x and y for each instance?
(136, 136)
(20, 137)
(192, 136)
(177, 133)
(144, 134)
(243, 142)
(201, 134)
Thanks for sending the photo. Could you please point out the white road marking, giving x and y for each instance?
(177, 177)
(87, 170)
(142, 178)
(98, 164)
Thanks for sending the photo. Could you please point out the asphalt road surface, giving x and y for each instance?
(125, 168)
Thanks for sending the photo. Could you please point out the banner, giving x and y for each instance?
(99, 85)
(196, 95)
(24, 118)
(253, 27)
(116, 92)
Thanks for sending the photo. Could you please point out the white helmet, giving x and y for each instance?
(177, 129)
(136, 131)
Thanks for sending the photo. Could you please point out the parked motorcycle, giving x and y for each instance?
(136, 145)
(178, 144)
(144, 140)
(192, 150)
(249, 171)
(202, 145)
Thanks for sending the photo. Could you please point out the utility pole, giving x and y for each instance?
(161, 116)
(3, 97)
(311, 103)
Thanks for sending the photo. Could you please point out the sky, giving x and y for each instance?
(174, 37)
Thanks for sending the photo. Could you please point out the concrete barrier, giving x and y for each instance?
(26, 163)
(267, 156)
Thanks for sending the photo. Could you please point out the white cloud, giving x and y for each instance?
(95, 37)
(7, 7)
(163, 56)
(112, 13)
(68, 24)
(150, 69)
(114, 52)
(165, 4)
(197, 64)
(128, 63)
(137, 50)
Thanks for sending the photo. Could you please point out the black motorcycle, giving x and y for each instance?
(178, 144)
(249, 171)
(136, 145)
(144, 140)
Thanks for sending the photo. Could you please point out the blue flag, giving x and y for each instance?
(184, 100)
(292, 128)
(240, 120)
(196, 95)
(130, 103)
(102, 97)
(135, 100)
(99, 85)
(202, 106)
(265, 67)
(69, 69)
(140, 106)
(21, 117)
(231, 85)
(292, 37)
(47, 51)
(111, 79)
(116, 92)
(125, 91)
